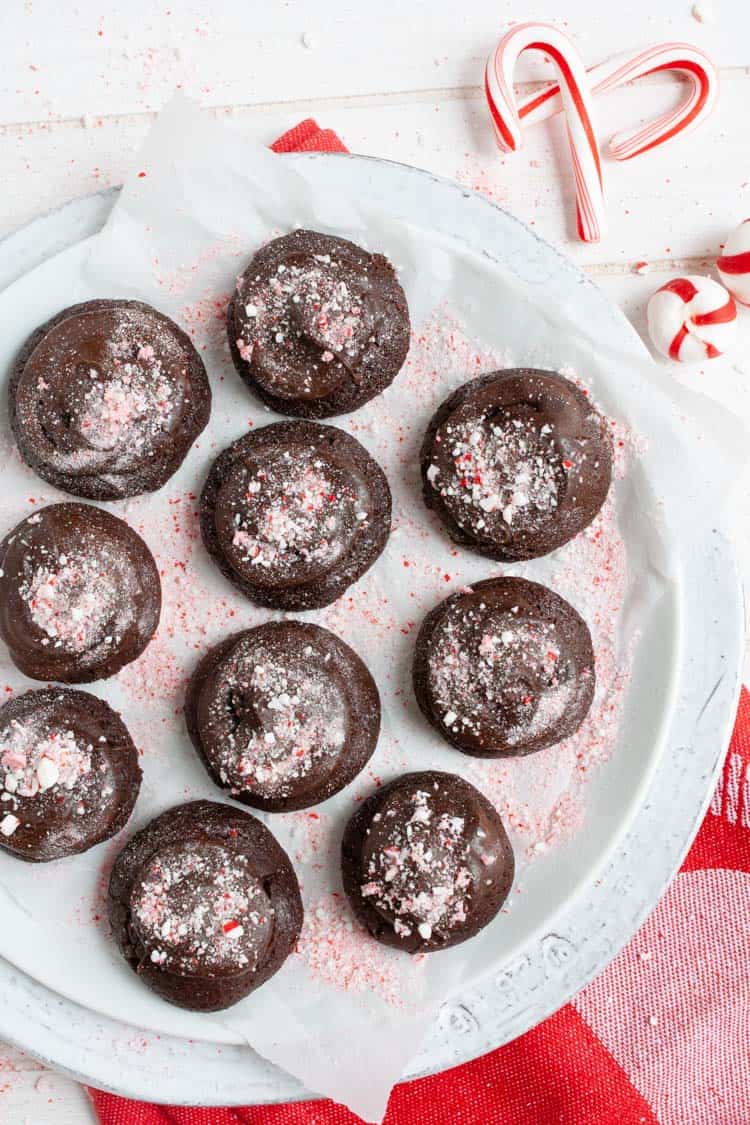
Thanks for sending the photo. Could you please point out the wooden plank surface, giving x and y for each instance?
(679, 201)
(62, 60)
(32, 1095)
(79, 85)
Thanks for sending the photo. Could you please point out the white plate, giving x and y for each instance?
(666, 797)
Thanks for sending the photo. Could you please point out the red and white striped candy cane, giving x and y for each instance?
(576, 101)
(682, 58)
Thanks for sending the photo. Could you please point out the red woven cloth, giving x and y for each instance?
(309, 137)
(659, 1038)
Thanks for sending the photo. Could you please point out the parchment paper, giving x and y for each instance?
(345, 1015)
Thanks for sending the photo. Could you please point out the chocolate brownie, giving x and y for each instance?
(516, 463)
(294, 513)
(107, 398)
(80, 594)
(317, 325)
(505, 668)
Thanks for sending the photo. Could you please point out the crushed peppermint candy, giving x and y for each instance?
(126, 410)
(490, 667)
(9, 824)
(76, 600)
(505, 470)
(422, 877)
(122, 404)
(304, 315)
(339, 952)
(295, 510)
(53, 779)
(277, 716)
(201, 906)
(34, 759)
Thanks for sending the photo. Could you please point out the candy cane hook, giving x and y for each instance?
(681, 58)
(576, 100)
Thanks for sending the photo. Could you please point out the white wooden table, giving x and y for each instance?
(79, 85)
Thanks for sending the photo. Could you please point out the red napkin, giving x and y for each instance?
(659, 1038)
(309, 137)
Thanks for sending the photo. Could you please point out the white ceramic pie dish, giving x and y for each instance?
(669, 789)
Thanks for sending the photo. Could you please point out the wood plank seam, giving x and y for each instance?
(342, 101)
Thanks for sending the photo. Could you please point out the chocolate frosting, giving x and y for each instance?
(516, 463)
(79, 594)
(294, 513)
(204, 905)
(318, 326)
(106, 399)
(284, 715)
(426, 862)
(504, 669)
(69, 774)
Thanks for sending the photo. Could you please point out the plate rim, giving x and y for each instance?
(270, 1084)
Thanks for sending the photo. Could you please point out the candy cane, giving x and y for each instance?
(576, 101)
(681, 58)
(734, 263)
(691, 319)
